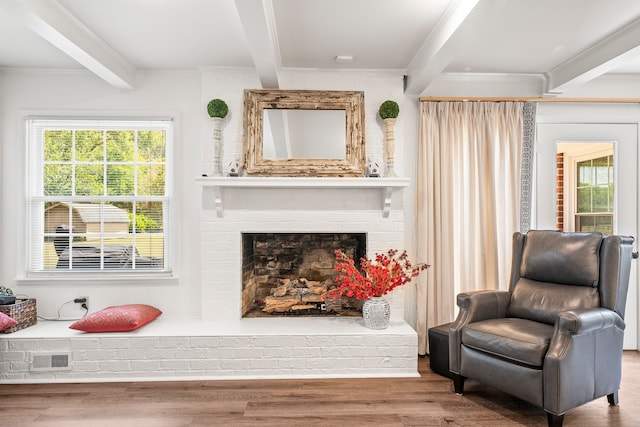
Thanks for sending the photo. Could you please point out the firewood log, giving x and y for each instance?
(281, 304)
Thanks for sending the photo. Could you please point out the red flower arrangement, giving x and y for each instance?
(378, 277)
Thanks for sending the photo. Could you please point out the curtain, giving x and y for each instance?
(467, 202)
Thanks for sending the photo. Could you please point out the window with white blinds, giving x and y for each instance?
(99, 196)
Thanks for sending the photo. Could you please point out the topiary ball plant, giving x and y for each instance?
(389, 110)
(217, 108)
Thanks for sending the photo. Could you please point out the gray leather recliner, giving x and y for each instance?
(555, 338)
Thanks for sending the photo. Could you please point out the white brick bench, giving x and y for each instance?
(184, 349)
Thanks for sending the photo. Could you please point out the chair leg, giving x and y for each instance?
(458, 383)
(613, 398)
(554, 420)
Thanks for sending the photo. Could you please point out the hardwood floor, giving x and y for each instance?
(425, 401)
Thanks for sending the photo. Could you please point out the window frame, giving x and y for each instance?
(36, 199)
(570, 184)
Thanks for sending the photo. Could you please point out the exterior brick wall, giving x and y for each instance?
(560, 191)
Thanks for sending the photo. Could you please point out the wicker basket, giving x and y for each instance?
(24, 312)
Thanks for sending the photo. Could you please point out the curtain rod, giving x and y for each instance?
(525, 99)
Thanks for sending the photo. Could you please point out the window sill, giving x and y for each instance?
(99, 280)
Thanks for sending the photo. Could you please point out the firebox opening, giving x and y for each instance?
(290, 273)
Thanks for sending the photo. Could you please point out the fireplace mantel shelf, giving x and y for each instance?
(385, 185)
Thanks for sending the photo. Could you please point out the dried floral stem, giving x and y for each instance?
(376, 278)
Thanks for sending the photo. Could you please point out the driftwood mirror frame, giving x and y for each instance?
(257, 100)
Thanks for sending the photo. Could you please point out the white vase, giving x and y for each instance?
(217, 146)
(376, 312)
(389, 146)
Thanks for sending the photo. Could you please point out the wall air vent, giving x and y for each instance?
(58, 361)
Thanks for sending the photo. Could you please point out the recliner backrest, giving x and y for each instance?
(615, 267)
(564, 258)
(555, 272)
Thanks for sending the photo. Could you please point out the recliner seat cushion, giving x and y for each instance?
(519, 340)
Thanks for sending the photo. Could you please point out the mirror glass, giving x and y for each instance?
(585, 180)
(303, 134)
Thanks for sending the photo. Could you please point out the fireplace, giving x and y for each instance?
(240, 210)
(252, 206)
(290, 273)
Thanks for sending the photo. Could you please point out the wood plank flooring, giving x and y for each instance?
(425, 401)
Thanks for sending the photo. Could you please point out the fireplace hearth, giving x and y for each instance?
(289, 274)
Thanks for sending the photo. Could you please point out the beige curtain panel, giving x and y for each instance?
(467, 202)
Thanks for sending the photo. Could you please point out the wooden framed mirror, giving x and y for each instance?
(303, 133)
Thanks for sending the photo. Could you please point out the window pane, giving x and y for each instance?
(584, 173)
(584, 199)
(57, 217)
(120, 146)
(58, 145)
(151, 251)
(601, 176)
(120, 180)
(151, 180)
(600, 199)
(150, 231)
(151, 146)
(587, 223)
(89, 180)
(89, 145)
(604, 223)
(149, 217)
(611, 197)
(57, 180)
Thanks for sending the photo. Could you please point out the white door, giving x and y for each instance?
(624, 138)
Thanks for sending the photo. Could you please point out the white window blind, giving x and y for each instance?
(99, 196)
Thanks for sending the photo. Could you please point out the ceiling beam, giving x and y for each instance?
(59, 27)
(436, 52)
(604, 56)
(259, 26)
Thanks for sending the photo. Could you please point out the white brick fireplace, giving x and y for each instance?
(223, 344)
(232, 206)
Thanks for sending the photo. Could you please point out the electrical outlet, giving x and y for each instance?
(83, 301)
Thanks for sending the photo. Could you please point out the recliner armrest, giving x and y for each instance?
(482, 305)
(578, 322)
(584, 360)
(474, 306)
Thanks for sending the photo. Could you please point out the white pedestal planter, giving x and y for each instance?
(389, 146)
(217, 146)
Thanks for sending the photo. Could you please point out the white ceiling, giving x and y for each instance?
(565, 43)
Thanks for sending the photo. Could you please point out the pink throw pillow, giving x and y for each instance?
(119, 318)
(6, 321)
